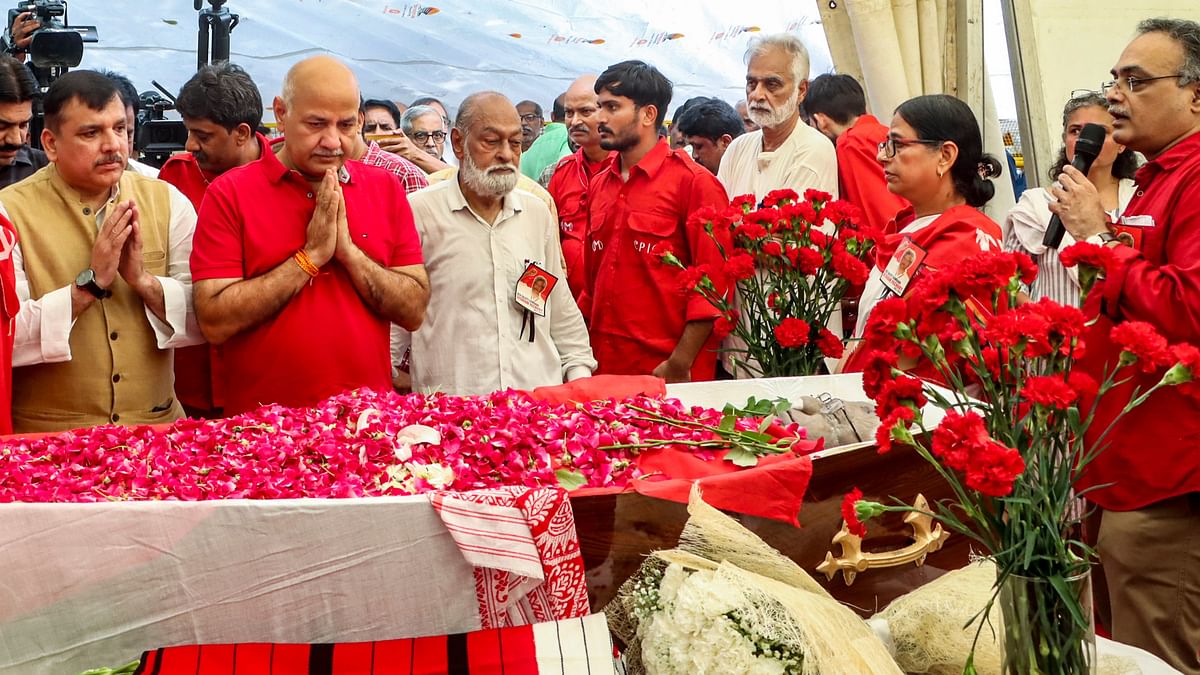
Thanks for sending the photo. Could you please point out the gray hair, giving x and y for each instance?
(1090, 99)
(1187, 34)
(412, 114)
(468, 111)
(788, 43)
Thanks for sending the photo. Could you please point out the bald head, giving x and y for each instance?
(579, 104)
(318, 112)
(487, 140)
(319, 75)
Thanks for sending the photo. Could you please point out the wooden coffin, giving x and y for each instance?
(616, 532)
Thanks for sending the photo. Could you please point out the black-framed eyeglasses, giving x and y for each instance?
(422, 136)
(530, 117)
(888, 147)
(1133, 84)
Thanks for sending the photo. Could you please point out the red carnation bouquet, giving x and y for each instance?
(1014, 437)
(792, 262)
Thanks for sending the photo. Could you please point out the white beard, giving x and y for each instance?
(484, 181)
(773, 117)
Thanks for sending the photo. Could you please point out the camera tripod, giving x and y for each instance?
(216, 23)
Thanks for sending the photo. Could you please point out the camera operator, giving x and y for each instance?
(17, 90)
(22, 29)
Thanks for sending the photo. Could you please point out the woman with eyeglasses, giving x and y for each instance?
(1111, 173)
(933, 157)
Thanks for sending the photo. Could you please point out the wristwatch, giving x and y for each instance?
(87, 281)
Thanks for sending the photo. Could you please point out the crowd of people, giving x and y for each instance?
(377, 245)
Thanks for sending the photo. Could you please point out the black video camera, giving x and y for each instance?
(55, 46)
(157, 137)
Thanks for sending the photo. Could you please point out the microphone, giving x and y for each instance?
(1087, 147)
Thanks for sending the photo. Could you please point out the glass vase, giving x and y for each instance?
(1049, 628)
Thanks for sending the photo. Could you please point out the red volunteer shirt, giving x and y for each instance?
(569, 188)
(1154, 452)
(325, 340)
(198, 369)
(635, 309)
(10, 304)
(860, 175)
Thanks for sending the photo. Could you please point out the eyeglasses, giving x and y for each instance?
(888, 147)
(422, 136)
(1084, 93)
(530, 117)
(1132, 84)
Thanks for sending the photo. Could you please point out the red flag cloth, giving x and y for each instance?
(572, 646)
(773, 489)
(601, 387)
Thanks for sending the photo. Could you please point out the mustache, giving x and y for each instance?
(497, 167)
(112, 158)
(10, 148)
(578, 129)
(1114, 111)
(327, 153)
(604, 129)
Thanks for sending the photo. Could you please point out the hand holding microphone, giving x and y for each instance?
(1087, 148)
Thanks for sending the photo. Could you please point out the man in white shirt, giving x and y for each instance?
(102, 272)
(784, 152)
(481, 238)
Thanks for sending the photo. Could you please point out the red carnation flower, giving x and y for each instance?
(792, 333)
(829, 344)
(850, 513)
(994, 468)
(850, 268)
(774, 197)
(877, 371)
(1084, 385)
(1141, 343)
(806, 260)
(772, 248)
(1092, 255)
(812, 195)
(750, 231)
(702, 215)
(957, 436)
(1049, 391)
(1026, 268)
(885, 434)
(903, 391)
(740, 266)
(1185, 374)
(724, 325)
(743, 203)
(662, 253)
(689, 278)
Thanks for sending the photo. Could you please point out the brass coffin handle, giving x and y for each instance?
(928, 537)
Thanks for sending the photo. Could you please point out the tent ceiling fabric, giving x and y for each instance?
(450, 48)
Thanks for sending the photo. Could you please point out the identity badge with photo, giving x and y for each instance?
(533, 288)
(903, 266)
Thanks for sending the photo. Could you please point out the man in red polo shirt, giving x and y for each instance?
(1149, 541)
(837, 106)
(640, 321)
(301, 259)
(569, 185)
(222, 110)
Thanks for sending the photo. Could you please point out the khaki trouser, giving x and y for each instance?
(1151, 561)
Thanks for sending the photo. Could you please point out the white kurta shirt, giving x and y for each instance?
(43, 326)
(473, 340)
(807, 159)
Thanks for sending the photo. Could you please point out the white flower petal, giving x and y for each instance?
(414, 434)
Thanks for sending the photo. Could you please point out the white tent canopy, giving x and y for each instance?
(529, 49)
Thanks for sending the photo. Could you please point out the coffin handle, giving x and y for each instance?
(927, 536)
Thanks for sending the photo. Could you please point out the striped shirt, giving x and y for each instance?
(410, 174)
(1025, 226)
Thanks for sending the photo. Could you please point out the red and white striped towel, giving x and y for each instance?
(523, 545)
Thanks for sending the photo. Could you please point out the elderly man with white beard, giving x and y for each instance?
(784, 152)
(490, 325)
